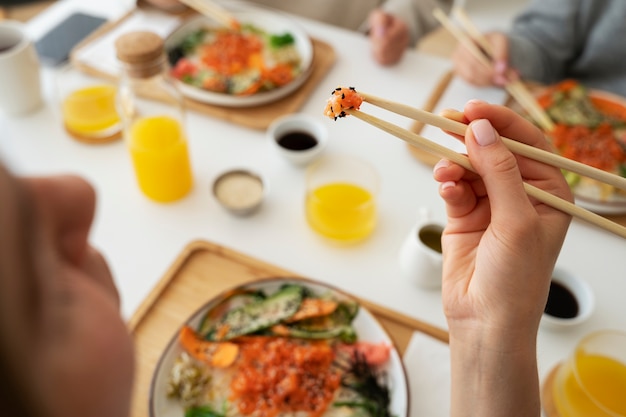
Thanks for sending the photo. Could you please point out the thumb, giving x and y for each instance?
(498, 169)
(379, 22)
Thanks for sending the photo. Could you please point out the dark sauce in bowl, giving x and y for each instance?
(297, 141)
(561, 302)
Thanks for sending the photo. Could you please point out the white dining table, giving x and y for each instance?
(141, 239)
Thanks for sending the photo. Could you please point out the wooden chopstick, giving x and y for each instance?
(213, 11)
(515, 87)
(443, 152)
(515, 146)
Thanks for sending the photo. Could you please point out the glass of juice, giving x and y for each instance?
(340, 202)
(87, 107)
(592, 381)
(158, 148)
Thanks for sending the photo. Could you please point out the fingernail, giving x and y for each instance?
(475, 101)
(500, 66)
(483, 132)
(443, 163)
(447, 184)
(380, 31)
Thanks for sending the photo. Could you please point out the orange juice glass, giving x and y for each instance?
(592, 381)
(160, 155)
(88, 107)
(340, 202)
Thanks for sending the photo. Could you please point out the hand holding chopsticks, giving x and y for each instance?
(476, 43)
(516, 147)
(213, 11)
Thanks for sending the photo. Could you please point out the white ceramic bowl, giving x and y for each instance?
(583, 294)
(298, 122)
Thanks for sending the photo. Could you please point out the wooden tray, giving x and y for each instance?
(202, 271)
(256, 117)
(430, 105)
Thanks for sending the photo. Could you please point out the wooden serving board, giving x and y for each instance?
(255, 117)
(202, 271)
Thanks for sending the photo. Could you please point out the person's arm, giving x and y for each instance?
(499, 248)
(417, 14)
(546, 38)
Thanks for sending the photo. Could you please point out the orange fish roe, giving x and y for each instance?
(232, 52)
(277, 375)
(595, 147)
(342, 99)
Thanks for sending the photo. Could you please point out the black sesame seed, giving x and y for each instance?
(343, 96)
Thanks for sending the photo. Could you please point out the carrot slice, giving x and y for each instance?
(217, 354)
(313, 307)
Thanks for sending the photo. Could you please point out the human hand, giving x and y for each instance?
(473, 71)
(499, 245)
(389, 37)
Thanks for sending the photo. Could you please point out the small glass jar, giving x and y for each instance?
(152, 112)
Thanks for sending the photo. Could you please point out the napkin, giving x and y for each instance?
(427, 362)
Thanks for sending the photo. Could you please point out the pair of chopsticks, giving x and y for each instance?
(516, 147)
(479, 46)
(213, 11)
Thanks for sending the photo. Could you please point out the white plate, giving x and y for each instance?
(365, 324)
(588, 194)
(271, 22)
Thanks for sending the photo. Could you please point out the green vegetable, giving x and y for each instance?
(571, 177)
(259, 315)
(279, 41)
(344, 333)
(373, 393)
(234, 298)
(203, 411)
(191, 41)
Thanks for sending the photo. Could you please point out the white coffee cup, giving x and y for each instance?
(421, 260)
(20, 84)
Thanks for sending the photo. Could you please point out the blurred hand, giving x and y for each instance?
(473, 71)
(499, 245)
(389, 37)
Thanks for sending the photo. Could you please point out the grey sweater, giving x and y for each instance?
(581, 39)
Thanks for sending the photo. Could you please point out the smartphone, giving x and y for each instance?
(55, 46)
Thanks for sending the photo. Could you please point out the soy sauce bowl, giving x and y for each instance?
(570, 302)
(299, 138)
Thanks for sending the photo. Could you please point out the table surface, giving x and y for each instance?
(141, 239)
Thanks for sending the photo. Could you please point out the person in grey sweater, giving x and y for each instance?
(552, 40)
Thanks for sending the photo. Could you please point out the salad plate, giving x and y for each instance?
(590, 127)
(267, 59)
(366, 336)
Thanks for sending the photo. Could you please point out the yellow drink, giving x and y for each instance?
(341, 211)
(604, 380)
(91, 112)
(161, 159)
